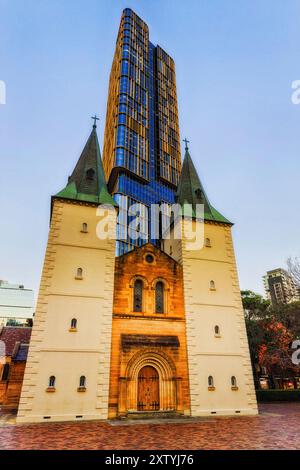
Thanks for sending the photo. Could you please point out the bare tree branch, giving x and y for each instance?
(294, 269)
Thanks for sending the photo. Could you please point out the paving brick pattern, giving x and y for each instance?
(277, 427)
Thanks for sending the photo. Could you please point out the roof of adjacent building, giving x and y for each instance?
(190, 192)
(11, 335)
(87, 182)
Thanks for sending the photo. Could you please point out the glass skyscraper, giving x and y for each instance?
(141, 154)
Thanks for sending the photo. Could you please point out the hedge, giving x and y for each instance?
(277, 395)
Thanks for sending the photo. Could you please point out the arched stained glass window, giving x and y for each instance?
(138, 296)
(159, 297)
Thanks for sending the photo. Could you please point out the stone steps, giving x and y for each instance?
(152, 415)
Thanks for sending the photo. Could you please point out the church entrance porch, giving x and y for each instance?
(148, 389)
(149, 382)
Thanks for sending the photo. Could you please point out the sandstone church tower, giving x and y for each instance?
(67, 372)
(220, 372)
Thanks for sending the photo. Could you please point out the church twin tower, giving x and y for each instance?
(158, 330)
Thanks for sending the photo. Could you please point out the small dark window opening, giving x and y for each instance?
(52, 381)
(159, 297)
(79, 273)
(198, 193)
(138, 296)
(5, 372)
(82, 381)
(207, 242)
(73, 323)
(149, 258)
(210, 381)
(90, 174)
(233, 381)
(217, 330)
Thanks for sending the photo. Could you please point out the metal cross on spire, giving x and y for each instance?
(186, 143)
(95, 118)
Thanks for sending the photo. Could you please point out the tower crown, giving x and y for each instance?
(191, 192)
(87, 182)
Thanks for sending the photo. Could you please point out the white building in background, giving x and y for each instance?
(16, 304)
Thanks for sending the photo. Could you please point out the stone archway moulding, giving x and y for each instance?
(167, 375)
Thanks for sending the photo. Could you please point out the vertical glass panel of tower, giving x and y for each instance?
(141, 154)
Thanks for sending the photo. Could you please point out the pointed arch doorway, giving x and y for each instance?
(148, 389)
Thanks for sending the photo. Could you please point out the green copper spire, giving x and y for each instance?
(87, 182)
(190, 191)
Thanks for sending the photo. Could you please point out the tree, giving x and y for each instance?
(289, 315)
(255, 335)
(294, 269)
(274, 353)
(270, 333)
(255, 306)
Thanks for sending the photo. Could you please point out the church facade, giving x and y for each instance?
(158, 331)
(129, 324)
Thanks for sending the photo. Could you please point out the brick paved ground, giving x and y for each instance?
(277, 427)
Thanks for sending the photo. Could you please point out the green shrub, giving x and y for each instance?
(277, 395)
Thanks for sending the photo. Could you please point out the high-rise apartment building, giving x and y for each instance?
(16, 304)
(141, 154)
(280, 287)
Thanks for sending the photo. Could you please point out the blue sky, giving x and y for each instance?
(235, 63)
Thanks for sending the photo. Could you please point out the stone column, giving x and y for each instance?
(122, 402)
(178, 394)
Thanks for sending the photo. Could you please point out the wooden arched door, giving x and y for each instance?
(148, 389)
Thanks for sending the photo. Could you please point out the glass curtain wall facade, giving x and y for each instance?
(141, 154)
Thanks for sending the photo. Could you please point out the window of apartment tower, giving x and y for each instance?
(159, 297)
(138, 296)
